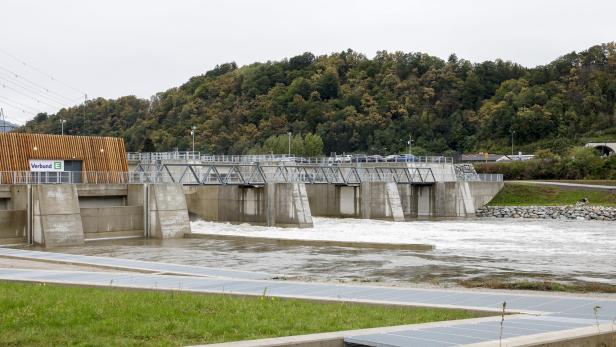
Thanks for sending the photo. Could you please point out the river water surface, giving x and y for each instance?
(569, 251)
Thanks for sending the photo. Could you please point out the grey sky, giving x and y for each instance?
(111, 48)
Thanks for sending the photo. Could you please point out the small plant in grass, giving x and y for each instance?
(596, 311)
(500, 336)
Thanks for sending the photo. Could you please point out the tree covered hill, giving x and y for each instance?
(357, 104)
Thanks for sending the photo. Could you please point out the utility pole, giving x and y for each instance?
(512, 133)
(289, 133)
(410, 144)
(62, 121)
(192, 132)
(85, 98)
(3, 120)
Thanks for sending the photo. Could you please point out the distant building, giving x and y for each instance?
(516, 157)
(481, 157)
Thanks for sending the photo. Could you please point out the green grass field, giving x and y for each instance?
(520, 194)
(50, 315)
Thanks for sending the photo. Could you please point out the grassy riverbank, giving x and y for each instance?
(521, 194)
(538, 285)
(50, 315)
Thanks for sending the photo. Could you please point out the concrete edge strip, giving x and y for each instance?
(318, 338)
(74, 260)
(495, 310)
(273, 277)
(83, 260)
(553, 337)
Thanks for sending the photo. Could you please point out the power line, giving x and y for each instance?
(6, 119)
(33, 91)
(3, 120)
(42, 72)
(36, 85)
(31, 97)
(19, 106)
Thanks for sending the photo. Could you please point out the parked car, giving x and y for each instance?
(402, 158)
(342, 159)
(359, 158)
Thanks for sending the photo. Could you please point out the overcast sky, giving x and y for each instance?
(111, 48)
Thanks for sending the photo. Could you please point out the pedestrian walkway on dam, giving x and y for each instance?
(539, 314)
(130, 264)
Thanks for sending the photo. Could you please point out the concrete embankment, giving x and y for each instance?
(579, 212)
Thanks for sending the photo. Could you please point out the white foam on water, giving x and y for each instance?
(579, 248)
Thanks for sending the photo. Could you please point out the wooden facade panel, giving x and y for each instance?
(100, 154)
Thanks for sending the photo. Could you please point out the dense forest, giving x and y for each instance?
(346, 102)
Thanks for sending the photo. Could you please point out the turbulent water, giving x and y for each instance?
(537, 249)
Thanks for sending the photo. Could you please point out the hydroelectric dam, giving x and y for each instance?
(65, 190)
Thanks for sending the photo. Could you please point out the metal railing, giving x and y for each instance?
(474, 177)
(29, 177)
(490, 177)
(258, 174)
(277, 158)
(248, 174)
(153, 156)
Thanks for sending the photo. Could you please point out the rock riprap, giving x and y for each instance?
(578, 211)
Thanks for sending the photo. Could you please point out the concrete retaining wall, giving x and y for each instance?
(13, 225)
(484, 192)
(452, 199)
(110, 221)
(56, 215)
(98, 190)
(462, 199)
(167, 211)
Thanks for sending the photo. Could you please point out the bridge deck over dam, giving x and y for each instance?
(260, 174)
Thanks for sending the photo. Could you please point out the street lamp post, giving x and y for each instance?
(289, 133)
(62, 121)
(192, 132)
(410, 144)
(512, 133)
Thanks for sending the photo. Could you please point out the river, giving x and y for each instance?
(567, 251)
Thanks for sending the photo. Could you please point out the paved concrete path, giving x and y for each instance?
(571, 185)
(544, 313)
(129, 264)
